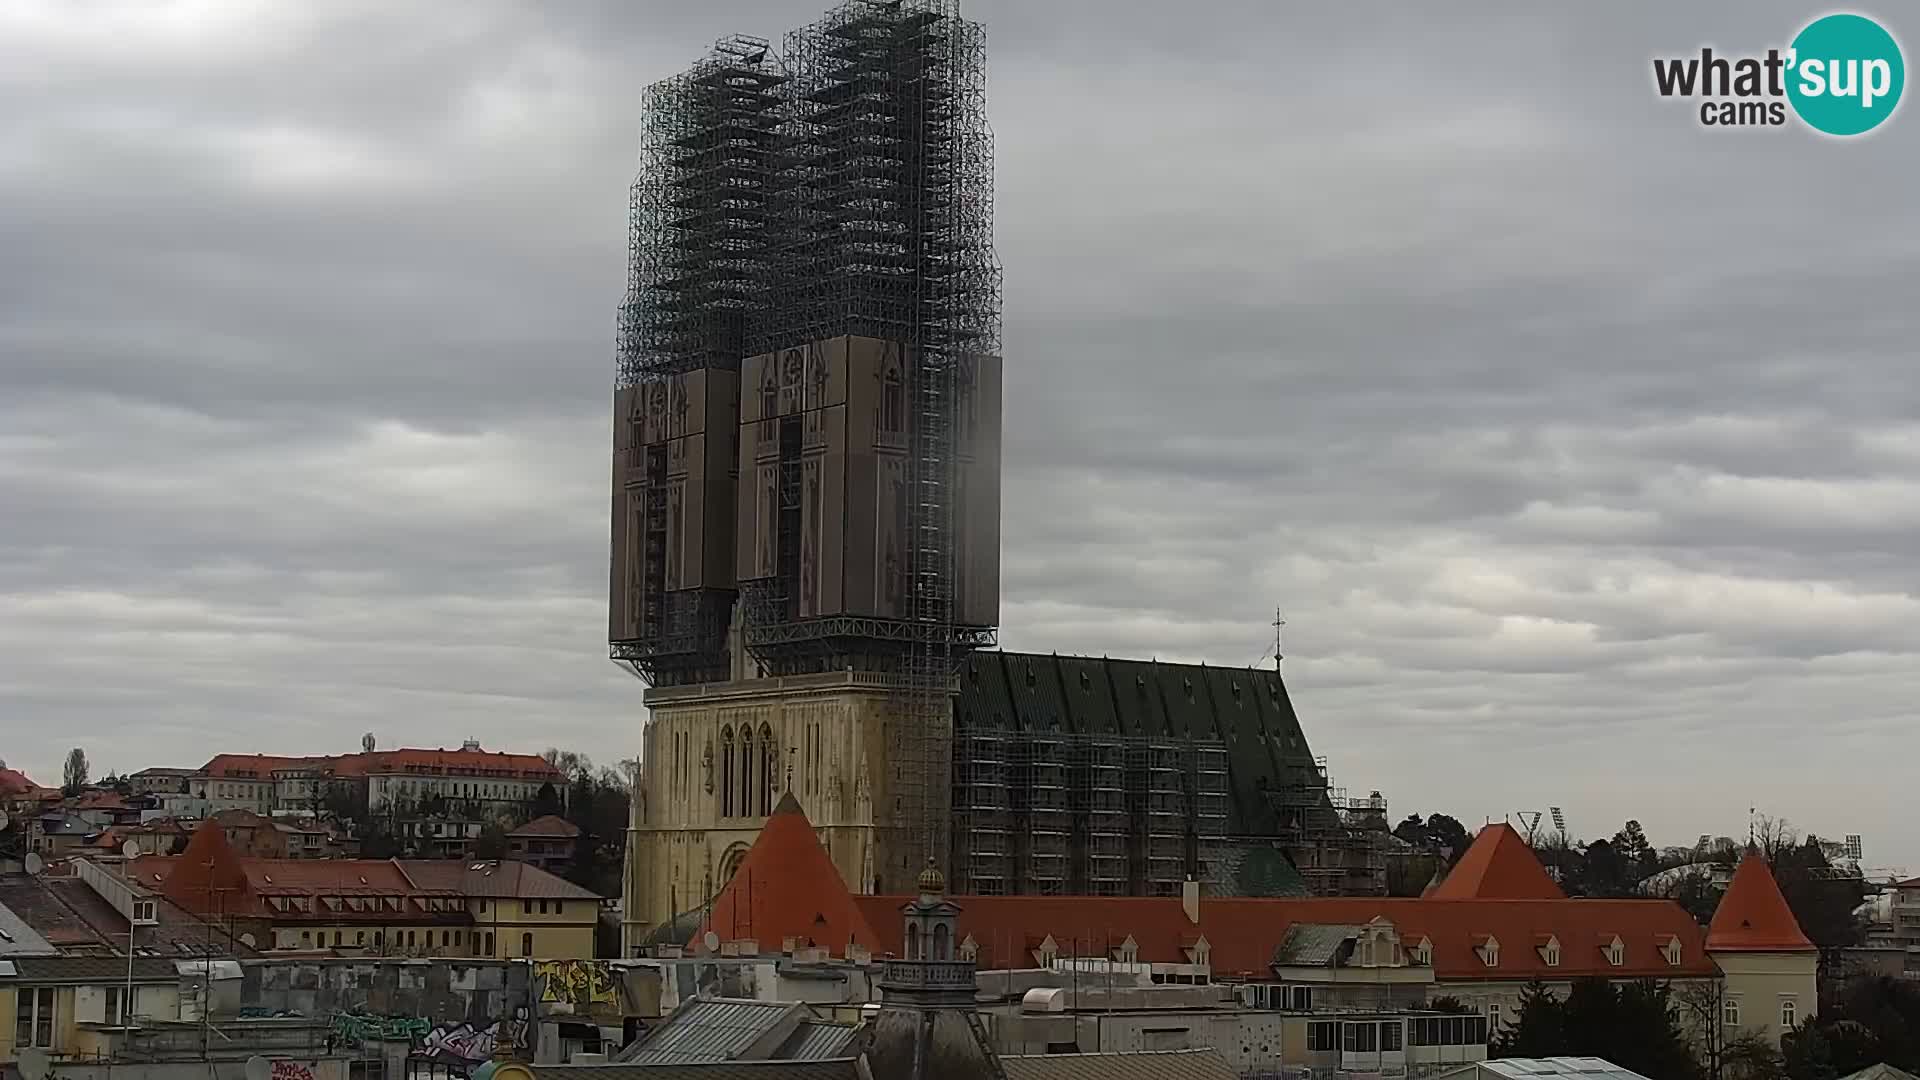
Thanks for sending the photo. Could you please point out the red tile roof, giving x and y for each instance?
(253, 766)
(796, 892)
(547, 825)
(207, 875)
(1498, 866)
(1753, 916)
(14, 782)
(503, 879)
(787, 886)
(449, 763)
(381, 762)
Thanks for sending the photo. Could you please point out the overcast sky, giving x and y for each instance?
(1580, 444)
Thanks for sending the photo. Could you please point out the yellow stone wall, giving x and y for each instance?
(830, 731)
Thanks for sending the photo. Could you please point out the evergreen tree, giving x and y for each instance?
(1539, 1027)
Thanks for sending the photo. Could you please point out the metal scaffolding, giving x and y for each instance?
(885, 231)
(700, 274)
(700, 233)
(1072, 813)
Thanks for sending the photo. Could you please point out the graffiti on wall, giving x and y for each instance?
(464, 1044)
(360, 1027)
(581, 986)
(290, 1070)
(455, 1043)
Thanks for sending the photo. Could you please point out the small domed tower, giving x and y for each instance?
(932, 972)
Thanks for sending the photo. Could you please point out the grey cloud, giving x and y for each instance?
(1571, 438)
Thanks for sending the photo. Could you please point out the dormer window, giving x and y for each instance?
(1550, 951)
(1671, 950)
(1422, 952)
(1616, 952)
(1488, 948)
(1128, 952)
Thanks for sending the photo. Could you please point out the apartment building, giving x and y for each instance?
(414, 907)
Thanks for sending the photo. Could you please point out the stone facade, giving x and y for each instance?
(706, 789)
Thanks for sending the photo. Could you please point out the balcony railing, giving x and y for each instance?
(932, 974)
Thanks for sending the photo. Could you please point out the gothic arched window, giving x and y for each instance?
(746, 772)
(913, 941)
(942, 943)
(726, 771)
(770, 778)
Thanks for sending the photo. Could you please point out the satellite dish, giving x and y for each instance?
(34, 1064)
(258, 1068)
(131, 849)
(3, 818)
(711, 941)
(34, 864)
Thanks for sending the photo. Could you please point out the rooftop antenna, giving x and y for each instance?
(1279, 627)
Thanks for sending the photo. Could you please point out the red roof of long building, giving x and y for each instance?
(380, 762)
(1753, 916)
(209, 877)
(796, 892)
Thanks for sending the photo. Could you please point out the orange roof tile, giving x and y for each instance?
(547, 825)
(787, 886)
(15, 782)
(1244, 932)
(438, 762)
(207, 876)
(1498, 866)
(1753, 916)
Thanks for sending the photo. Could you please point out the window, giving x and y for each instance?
(1551, 954)
(33, 1023)
(112, 1016)
(1390, 1035)
(526, 907)
(489, 949)
(1449, 1031)
(1789, 1012)
(359, 938)
(1616, 952)
(446, 938)
(409, 939)
(526, 944)
(726, 771)
(1493, 1015)
(1673, 952)
(1320, 1035)
(1360, 1038)
(143, 912)
(1730, 1012)
(770, 774)
(306, 939)
(556, 906)
(543, 907)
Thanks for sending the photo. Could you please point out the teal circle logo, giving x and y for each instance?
(1846, 74)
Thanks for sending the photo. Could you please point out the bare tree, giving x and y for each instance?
(1701, 1004)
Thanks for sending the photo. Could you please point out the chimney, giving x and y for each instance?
(1190, 899)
